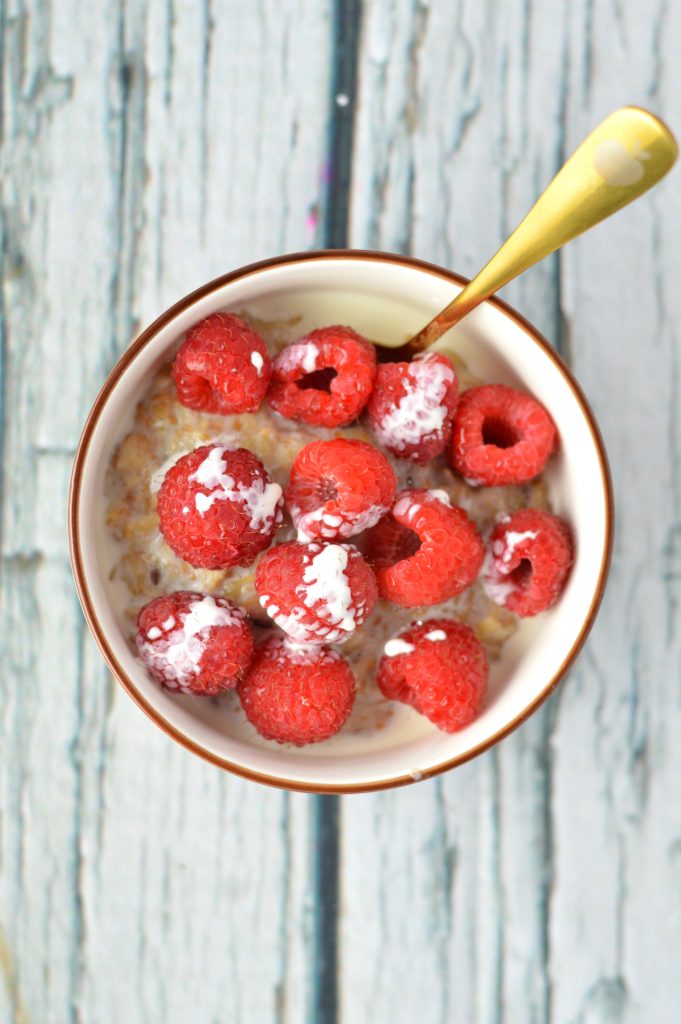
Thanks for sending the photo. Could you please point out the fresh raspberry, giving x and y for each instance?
(296, 695)
(426, 551)
(411, 409)
(339, 488)
(194, 643)
(324, 379)
(316, 593)
(528, 561)
(218, 507)
(501, 436)
(440, 668)
(222, 366)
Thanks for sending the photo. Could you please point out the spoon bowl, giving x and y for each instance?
(628, 153)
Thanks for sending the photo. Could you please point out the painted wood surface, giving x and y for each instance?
(148, 147)
(542, 882)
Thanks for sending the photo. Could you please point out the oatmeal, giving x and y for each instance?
(144, 567)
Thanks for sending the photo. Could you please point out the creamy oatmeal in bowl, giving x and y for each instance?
(141, 433)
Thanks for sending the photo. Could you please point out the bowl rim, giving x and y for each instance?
(77, 561)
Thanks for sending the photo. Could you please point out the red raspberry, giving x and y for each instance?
(325, 378)
(222, 366)
(426, 551)
(440, 668)
(218, 508)
(194, 643)
(296, 695)
(339, 488)
(412, 407)
(528, 561)
(316, 593)
(501, 436)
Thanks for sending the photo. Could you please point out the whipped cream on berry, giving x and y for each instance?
(324, 581)
(407, 507)
(260, 498)
(332, 526)
(317, 593)
(498, 562)
(302, 355)
(395, 647)
(158, 475)
(403, 506)
(301, 654)
(441, 496)
(420, 412)
(495, 588)
(290, 624)
(179, 660)
(505, 549)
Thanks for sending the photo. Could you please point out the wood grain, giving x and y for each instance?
(617, 793)
(147, 147)
(540, 883)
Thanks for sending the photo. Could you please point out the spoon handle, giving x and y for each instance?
(620, 160)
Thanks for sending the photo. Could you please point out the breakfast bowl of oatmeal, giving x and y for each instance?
(322, 569)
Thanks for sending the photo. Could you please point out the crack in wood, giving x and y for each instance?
(347, 16)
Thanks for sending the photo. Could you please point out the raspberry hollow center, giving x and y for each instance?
(320, 380)
(499, 433)
(409, 544)
(522, 574)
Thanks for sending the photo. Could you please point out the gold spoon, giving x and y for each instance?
(621, 159)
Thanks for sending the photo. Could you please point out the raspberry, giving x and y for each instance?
(528, 561)
(324, 379)
(440, 668)
(339, 488)
(412, 407)
(316, 593)
(296, 695)
(222, 366)
(426, 551)
(501, 436)
(193, 643)
(217, 507)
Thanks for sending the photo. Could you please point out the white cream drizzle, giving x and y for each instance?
(395, 647)
(332, 526)
(504, 550)
(301, 355)
(260, 498)
(179, 660)
(441, 496)
(498, 562)
(325, 582)
(290, 624)
(420, 411)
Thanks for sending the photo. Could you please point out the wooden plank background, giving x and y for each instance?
(147, 147)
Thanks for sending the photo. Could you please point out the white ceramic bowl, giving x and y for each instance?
(388, 297)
